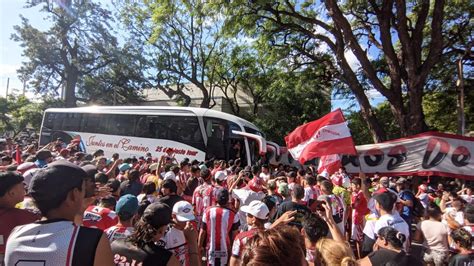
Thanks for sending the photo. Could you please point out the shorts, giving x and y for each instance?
(436, 257)
(357, 233)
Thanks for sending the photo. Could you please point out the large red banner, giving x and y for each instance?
(425, 154)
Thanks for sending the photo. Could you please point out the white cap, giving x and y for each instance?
(170, 175)
(28, 175)
(184, 211)
(220, 175)
(257, 209)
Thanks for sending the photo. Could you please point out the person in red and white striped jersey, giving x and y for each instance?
(220, 225)
(126, 209)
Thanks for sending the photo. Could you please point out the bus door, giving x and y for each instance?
(256, 146)
(222, 143)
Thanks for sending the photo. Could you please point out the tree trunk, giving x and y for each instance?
(415, 117)
(70, 92)
(206, 99)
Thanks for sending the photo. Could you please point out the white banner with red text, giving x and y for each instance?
(426, 154)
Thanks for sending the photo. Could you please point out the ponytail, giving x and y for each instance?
(348, 261)
(392, 236)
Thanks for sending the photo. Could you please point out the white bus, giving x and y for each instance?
(194, 133)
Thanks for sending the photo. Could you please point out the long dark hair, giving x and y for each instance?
(144, 233)
(392, 236)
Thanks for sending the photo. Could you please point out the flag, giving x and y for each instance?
(18, 155)
(329, 164)
(325, 136)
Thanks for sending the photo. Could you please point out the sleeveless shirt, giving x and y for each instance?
(52, 242)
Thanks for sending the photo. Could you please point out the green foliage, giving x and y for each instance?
(292, 99)
(359, 129)
(18, 113)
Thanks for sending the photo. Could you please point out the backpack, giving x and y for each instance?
(417, 210)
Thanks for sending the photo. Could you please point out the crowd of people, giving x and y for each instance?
(59, 206)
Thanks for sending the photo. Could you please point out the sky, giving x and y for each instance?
(11, 52)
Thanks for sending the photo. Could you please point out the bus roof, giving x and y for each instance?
(155, 110)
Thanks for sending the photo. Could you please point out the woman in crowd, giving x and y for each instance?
(330, 252)
(388, 250)
(140, 247)
(280, 246)
(434, 236)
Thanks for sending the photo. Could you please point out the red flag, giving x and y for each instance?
(329, 163)
(18, 155)
(325, 136)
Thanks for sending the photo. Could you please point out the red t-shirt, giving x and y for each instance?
(99, 217)
(359, 207)
(11, 217)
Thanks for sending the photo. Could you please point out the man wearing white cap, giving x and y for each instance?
(181, 238)
(257, 214)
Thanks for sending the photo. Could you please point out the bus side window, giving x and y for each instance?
(72, 122)
(122, 125)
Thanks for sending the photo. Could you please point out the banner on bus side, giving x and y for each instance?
(133, 146)
(426, 154)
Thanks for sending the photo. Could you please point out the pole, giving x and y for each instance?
(8, 85)
(460, 105)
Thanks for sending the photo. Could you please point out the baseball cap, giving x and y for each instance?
(28, 175)
(384, 181)
(90, 170)
(124, 167)
(127, 205)
(283, 188)
(61, 176)
(386, 200)
(184, 211)
(169, 175)
(401, 180)
(8, 180)
(22, 168)
(157, 215)
(43, 155)
(220, 176)
(153, 166)
(257, 209)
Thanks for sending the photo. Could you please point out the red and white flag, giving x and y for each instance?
(329, 164)
(325, 136)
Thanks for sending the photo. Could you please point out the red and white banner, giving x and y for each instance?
(325, 136)
(425, 154)
(329, 163)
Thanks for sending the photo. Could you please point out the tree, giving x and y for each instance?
(292, 99)
(17, 113)
(78, 44)
(180, 37)
(396, 44)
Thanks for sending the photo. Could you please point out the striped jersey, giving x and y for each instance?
(118, 232)
(219, 222)
(203, 197)
(240, 241)
(52, 242)
(99, 217)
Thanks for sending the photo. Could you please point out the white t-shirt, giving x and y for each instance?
(424, 200)
(436, 235)
(467, 198)
(264, 176)
(457, 215)
(393, 220)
